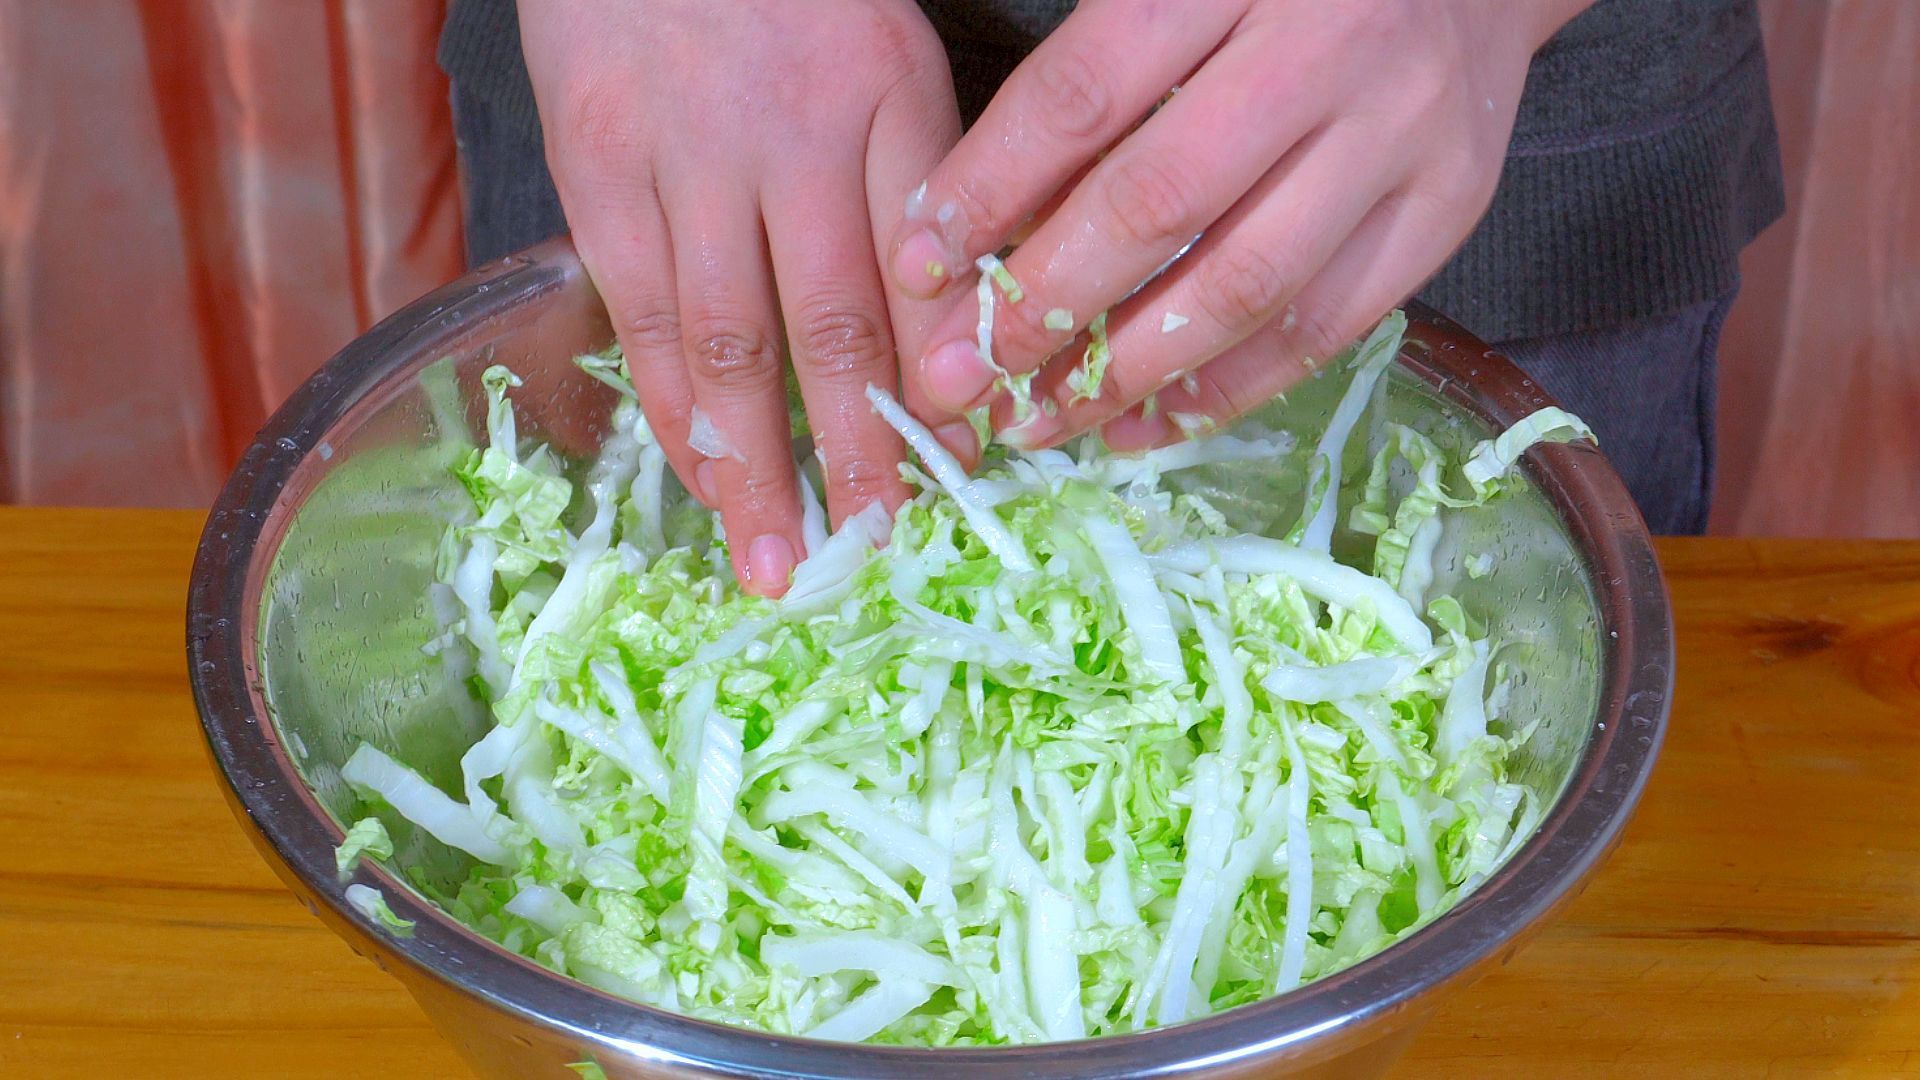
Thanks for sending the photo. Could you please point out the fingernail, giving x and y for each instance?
(769, 563)
(922, 265)
(956, 376)
(703, 484)
(958, 437)
(1131, 432)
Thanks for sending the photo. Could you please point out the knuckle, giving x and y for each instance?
(1232, 401)
(1442, 206)
(1150, 200)
(730, 354)
(764, 487)
(1320, 332)
(754, 488)
(835, 340)
(764, 483)
(597, 123)
(1136, 382)
(1232, 398)
(861, 474)
(1126, 386)
(1021, 335)
(1231, 386)
(1372, 27)
(981, 201)
(1241, 286)
(650, 328)
(1426, 87)
(1074, 93)
(900, 47)
(1219, 398)
(1466, 179)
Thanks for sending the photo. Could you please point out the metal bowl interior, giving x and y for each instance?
(309, 604)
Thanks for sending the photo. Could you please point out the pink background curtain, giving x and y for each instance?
(1820, 363)
(200, 200)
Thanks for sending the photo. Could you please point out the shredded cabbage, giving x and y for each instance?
(367, 839)
(707, 440)
(991, 266)
(372, 903)
(1052, 752)
(1019, 387)
(1085, 379)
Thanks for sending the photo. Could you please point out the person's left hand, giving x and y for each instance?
(1332, 154)
(729, 172)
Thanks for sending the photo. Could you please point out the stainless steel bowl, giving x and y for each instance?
(308, 607)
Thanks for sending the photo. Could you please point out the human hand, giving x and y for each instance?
(1329, 155)
(727, 169)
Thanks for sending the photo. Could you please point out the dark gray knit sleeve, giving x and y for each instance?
(1643, 160)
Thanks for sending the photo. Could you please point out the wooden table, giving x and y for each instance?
(1762, 916)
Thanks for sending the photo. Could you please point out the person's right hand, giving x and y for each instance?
(730, 168)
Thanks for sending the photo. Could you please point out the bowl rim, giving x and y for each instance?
(248, 522)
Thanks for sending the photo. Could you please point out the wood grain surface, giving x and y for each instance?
(1761, 918)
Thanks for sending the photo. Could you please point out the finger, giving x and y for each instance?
(955, 433)
(1402, 241)
(912, 130)
(1227, 386)
(729, 335)
(605, 184)
(1025, 230)
(1176, 176)
(629, 255)
(1080, 90)
(1245, 271)
(837, 330)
